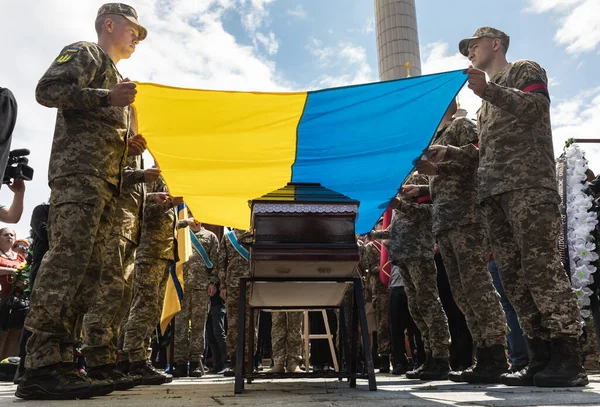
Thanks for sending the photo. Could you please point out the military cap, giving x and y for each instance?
(484, 32)
(126, 11)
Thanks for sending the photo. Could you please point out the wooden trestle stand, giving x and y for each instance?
(303, 253)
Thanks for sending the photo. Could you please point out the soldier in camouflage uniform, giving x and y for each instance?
(380, 300)
(411, 249)
(85, 174)
(286, 333)
(518, 191)
(231, 267)
(154, 257)
(197, 275)
(461, 233)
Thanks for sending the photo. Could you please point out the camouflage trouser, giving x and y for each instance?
(189, 344)
(420, 286)
(465, 251)
(232, 308)
(381, 302)
(523, 227)
(149, 284)
(286, 333)
(79, 223)
(102, 322)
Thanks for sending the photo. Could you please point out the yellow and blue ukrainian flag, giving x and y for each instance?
(220, 149)
(174, 290)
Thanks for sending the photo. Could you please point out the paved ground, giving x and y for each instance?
(217, 391)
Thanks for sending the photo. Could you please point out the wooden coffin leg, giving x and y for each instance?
(252, 333)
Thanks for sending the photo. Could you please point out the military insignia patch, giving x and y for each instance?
(67, 55)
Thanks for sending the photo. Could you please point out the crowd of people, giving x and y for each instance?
(481, 212)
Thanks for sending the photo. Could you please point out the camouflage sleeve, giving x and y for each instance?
(132, 176)
(424, 190)
(182, 224)
(65, 85)
(467, 155)
(222, 262)
(381, 234)
(461, 132)
(454, 167)
(529, 100)
(372, 259)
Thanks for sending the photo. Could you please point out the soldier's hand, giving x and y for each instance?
(162, 198)
(123, 93)
(395, 203)
(136, 145)
(151, 175)
(437, 153)
(212, 290)
(477, 81)
(223, 293)
(410, 190)
(427, 167)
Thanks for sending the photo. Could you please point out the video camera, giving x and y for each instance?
(16, 167)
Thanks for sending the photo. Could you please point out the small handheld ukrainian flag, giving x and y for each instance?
(174, 290)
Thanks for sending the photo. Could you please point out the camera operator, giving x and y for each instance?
(8, 118)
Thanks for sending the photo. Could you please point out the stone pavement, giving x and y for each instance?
(218, 391)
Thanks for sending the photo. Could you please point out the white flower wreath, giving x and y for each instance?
(581, 222)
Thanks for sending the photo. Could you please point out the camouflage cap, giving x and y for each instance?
(484, 32)
(126, 11)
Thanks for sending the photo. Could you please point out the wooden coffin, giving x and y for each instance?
(302, 230)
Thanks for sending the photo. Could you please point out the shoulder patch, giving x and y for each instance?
(67, 55)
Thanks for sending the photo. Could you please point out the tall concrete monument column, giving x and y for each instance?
(397, 39)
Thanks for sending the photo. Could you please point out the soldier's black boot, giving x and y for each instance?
(179, 369)
(540, 357)
(109, 372)
(385, 364)
(197, 369)
(414, 374)
(60, 382)
(150, 376)
(437, 369)
(564, 369)
(493, 366)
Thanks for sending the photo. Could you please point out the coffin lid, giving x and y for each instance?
(305, 193)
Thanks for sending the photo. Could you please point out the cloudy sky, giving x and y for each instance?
(296, 45)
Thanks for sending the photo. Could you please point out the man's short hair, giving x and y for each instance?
(101, 19)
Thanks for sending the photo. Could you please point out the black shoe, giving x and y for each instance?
(54, 382)
(564, 368)
(415, 374)
(540, 357)
(109, 372)
(456, 375)
(490, 366)
(150, 376)
(398, 370)
(196, 369)
(384, 365)
(216, 369)
(178, 369)
(437, 369)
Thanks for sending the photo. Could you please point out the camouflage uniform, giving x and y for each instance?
(232, 266)
(286, 333)
(102, 322)
(518, 191)
(85, 173)
(189, 344)
(154, 257)
(458, 225)
(411, 249)
(380, 296)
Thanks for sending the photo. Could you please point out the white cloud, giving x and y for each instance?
(348, 61)
(270, 43)
(187, 46)
(298, 12)
(579, 28)
(254, 13)
(367, 28)
(436, 57)
(578, 117)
